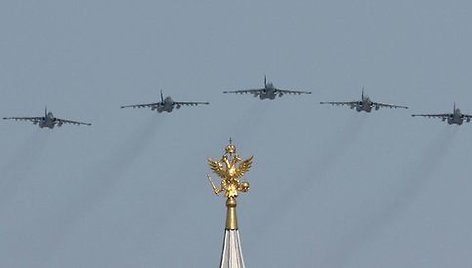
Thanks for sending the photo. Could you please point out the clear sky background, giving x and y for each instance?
(330, 187)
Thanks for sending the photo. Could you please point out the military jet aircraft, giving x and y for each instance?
(166, 104)
(365, 104)
(268, 92)
(457, 117)
(48, 120)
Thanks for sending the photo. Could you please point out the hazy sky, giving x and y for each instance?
(330, 187)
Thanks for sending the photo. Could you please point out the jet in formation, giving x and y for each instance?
(456, 117)
(48, 120)
(268, 91)
(166, 104)
(365, 104)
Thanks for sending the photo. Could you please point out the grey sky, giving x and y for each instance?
(330, 187)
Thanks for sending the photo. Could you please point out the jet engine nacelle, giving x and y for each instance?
(177, 106)
(281, 94)
(353, 106)
(443, 119)
(468, 119)
(59, 124)
(377, 107)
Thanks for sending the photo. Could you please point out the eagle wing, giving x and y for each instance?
(244, 167)
(217, 167)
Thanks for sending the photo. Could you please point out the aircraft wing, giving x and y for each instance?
(294, 92)
(189, 103)
(385, 105)
(246, 91)
(64, 121)
(150, 105)
(348, 103)
(35, 120)
(442, 116)
(467, 116)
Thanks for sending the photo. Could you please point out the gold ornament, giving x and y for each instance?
(230, 169)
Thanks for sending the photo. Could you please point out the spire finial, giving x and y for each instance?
(230, 168)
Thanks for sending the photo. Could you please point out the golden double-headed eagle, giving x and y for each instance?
(230, 169)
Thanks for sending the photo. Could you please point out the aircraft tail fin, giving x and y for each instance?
(454, 109)
(362, 92)
(265, 81)
(162, 97)
(45, 111)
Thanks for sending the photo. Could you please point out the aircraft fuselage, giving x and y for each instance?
(269, 92)
(455, 118)
(364, 105)
(167, 105)
(48, 121)
(456, 121)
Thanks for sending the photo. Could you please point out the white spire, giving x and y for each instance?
(232, 256)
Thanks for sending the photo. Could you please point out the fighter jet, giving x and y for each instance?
(48, 120)
(457, 117)
(268, 92)
(166, 104)
(365, 104)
